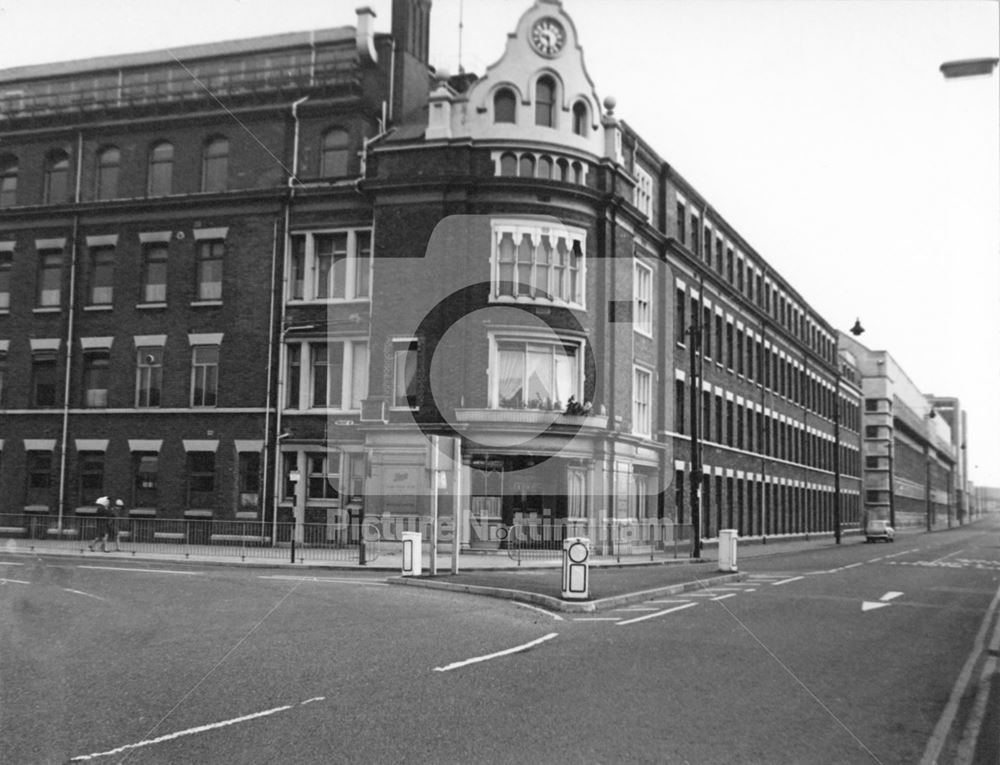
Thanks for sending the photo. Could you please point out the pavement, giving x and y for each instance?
(612, 583)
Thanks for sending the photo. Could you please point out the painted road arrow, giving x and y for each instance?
(882, 602)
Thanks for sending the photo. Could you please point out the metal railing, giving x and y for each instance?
(191, 537)
(609, 538)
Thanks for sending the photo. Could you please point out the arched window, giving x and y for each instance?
(161, 169)
(562, 170)
(215, 165)
(545, 102)
(504, 106)
(545, 167)
(508, 164)
(527, 166)
(108, 164)
(8, 180)
(56, 177)
(580, 118)
(333, 160)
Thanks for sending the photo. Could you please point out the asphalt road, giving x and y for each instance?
(854, 654)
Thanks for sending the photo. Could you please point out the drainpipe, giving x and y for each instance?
(270, 376)
(69, 336)
(293, 179)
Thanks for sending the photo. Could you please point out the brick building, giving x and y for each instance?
(258, 280)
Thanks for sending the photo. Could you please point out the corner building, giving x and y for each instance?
(381, 275)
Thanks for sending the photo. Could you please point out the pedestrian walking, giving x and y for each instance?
(103, 520)
(117, 523)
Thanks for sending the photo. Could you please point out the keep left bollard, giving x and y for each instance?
(412, 549)
(576, 568)
(727, 549)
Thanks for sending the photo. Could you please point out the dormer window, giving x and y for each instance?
(580, 118)
(504, 106)
(545, 102)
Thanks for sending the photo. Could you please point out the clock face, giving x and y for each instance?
(548, 36)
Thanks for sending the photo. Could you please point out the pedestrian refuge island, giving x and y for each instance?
(727, 549)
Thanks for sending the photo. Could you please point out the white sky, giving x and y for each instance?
(821, 129)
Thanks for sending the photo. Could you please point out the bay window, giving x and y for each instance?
(538, 263)
(535, 374)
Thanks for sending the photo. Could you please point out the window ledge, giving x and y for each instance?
(97, 307)
(530, 417)
(144, 306)
(47, 309)
(203, 303)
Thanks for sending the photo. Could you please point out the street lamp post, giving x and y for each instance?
(694, 343)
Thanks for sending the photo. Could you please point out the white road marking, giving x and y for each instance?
(9, 563)
(144, 570)
(596, 618)
(557, 617)
(638, 608)
(853, 565)
(869, 605)
(331, 579)
(936, 742)
(727, 595)
(658, 613)
(498, 654)
(786, 581)
(192, 731)
(667, 602)
(945, 557)
(87, 594)
(13, 581)
(890, 596)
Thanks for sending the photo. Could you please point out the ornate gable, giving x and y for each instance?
(538, 91)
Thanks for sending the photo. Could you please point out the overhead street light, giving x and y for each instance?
(968, 67)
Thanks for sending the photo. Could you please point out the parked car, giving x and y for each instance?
(879, 530)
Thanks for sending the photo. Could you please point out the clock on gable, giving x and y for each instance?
(547, 36)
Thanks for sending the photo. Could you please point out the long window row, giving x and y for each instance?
(734, 422)
(738, 270)
(101, 259)
(94, 360)
(202, 487)
(755, 506)
(109, 165)
(744, 352)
